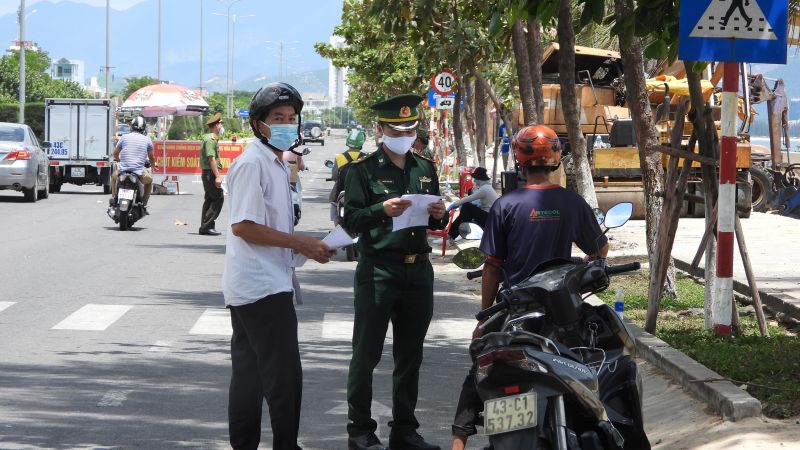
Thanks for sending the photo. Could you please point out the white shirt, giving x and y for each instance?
(258, 191)
(486, 194)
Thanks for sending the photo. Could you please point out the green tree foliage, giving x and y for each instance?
(38, 84)
(134, 83)
(34, 116)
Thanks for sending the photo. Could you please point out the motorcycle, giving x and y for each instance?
(337, 209)
(127, 207)
(553, 371)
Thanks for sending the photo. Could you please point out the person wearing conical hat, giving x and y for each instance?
(394, 276)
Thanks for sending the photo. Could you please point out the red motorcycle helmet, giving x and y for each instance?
(537, 145)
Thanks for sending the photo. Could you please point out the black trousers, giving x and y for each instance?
(468, 212)
(212, 205)
(266, 364)
(468, 409)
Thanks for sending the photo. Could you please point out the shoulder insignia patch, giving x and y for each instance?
(425, 158)
(363, 158)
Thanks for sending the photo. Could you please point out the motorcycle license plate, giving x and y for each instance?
(77, 172)
(512, 413)
(126, 194)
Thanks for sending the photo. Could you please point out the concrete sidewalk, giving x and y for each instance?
(773, 243)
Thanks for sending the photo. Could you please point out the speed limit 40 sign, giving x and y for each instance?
(443, 82)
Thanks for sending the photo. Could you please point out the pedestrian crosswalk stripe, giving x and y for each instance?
(213, 322)
(4, 305)
(93, 317)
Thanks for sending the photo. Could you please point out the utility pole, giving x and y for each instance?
(201, 47)
(107, 68)
(158, 63)
(21, 61)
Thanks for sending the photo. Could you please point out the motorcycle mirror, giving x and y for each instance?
(599, 215)
(470, 231)
(618, 215)
(306, 151)
(329, 164)
(470, 258)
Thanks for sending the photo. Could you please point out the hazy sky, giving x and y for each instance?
(10, 6)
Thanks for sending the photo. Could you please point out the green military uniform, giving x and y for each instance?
(394, 277)
(209, 147)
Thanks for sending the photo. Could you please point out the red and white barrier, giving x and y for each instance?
(726, 203)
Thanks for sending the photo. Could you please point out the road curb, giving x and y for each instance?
(777, 302)
(729, 401)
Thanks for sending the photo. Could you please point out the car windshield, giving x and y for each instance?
(12, 134)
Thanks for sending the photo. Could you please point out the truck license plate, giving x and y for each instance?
(126, 194)
(77, 172)
(512, 413)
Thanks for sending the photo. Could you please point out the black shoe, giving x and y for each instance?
(411, 441)
(365, 442)
(210, 232)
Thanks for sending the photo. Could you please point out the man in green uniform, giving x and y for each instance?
(394, 277)
(211, 166)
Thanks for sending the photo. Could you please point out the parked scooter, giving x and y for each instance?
(555, 372)
(127, 207)
(297, 193)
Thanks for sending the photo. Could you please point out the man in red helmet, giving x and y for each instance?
(525, 228)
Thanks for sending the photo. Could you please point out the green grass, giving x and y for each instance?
(773, 362)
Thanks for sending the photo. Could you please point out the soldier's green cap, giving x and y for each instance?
(399, 112)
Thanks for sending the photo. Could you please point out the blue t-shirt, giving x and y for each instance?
(534, 224)
(501, 132)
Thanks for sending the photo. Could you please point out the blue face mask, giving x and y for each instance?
(283, 135)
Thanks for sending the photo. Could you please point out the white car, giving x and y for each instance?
(23, 163)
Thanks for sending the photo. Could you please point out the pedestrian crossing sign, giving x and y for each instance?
(734, 31)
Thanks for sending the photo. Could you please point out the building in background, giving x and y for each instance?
(30, 46)
(337, 78)
(314, 103)
(67, 70)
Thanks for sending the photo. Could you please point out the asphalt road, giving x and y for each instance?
(116, 339)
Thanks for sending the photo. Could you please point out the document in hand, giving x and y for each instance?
(337, 239)
(417, 214)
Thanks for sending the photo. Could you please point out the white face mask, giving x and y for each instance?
(399, 145)
(221, 131)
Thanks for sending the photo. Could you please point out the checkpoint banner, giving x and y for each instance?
(183, 157)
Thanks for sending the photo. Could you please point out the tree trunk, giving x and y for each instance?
(458, 122)
(646, 139)
(469, 122)
(569, 104)
(480, 125)
(501, 111)
(535, 55)
(518, 42)
(707, 141)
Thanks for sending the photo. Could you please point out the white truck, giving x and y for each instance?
(80, 135)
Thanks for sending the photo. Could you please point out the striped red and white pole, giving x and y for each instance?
(446, 145)
(726, 203)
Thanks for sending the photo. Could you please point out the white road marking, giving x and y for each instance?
(451, 329)
(336, 326)
(113, 398)
(214, 322)
(93, 317)
(160, 347)
(5, 305)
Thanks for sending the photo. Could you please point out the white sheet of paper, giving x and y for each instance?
(337, 239)
(417, 214)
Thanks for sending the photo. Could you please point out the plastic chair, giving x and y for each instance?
(444, 233)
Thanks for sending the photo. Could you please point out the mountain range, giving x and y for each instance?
(77, 31)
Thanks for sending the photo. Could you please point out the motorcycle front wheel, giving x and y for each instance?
(123, 221)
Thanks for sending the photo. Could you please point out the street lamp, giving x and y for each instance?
(228, 4)
(201, 47)
(233, 57)
(158, 51)
(21, 61)
(108, 94)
